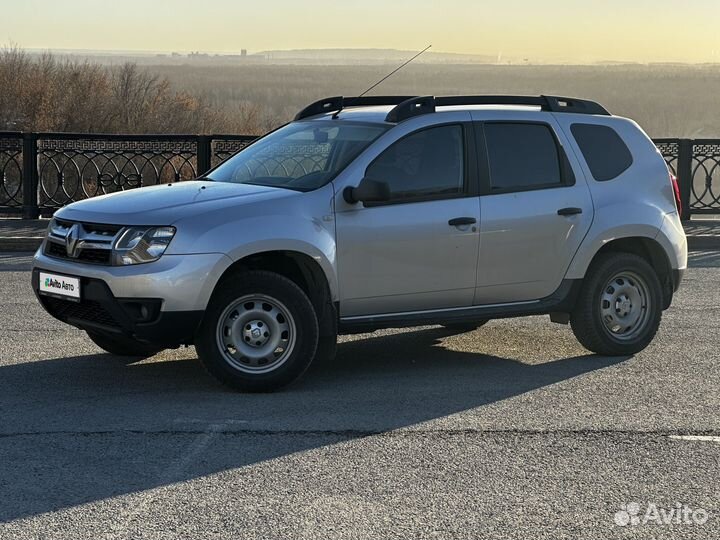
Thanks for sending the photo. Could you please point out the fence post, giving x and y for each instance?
(203, 154)
(685, 174)
(30, 209)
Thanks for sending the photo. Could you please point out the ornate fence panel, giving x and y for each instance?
(705, 186)
(75, 167)
(696, 164)
(11, 171)
(41, 172)
(670, 150)
(224, 146)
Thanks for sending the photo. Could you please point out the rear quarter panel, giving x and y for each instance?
(635, 203)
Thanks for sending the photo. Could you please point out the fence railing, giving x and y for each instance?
(696, 163)
(41, 172)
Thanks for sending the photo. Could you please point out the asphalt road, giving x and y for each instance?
(510, 431)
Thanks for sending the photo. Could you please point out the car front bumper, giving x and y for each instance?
(160, 302)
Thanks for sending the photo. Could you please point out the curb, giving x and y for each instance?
(703, 242)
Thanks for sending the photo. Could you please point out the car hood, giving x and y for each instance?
(166, 203)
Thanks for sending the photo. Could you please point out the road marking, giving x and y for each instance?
(704, 438)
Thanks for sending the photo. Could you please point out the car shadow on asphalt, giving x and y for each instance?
(82, 429)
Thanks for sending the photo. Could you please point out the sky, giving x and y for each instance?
(540, 30)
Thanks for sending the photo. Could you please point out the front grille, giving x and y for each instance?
(95, 256)
(89, 255)
(55, 250)
(95, 228)
(98, 238)
(85, 310)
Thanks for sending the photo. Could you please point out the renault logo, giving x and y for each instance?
(71, 241)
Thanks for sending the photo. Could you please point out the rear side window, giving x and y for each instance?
(522, 156)
(605, 152)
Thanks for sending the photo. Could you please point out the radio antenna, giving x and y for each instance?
(395, 71)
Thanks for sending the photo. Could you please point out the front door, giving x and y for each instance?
(419, 250)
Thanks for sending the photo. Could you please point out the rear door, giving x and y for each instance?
(535, 208)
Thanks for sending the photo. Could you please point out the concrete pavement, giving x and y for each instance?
(510, 431)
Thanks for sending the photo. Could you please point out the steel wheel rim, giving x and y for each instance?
(256, 334)
(625, 306)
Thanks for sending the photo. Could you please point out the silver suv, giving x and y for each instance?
(378, 212)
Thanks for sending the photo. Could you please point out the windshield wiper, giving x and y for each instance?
(262, 184)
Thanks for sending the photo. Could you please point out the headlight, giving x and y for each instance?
(138, 245)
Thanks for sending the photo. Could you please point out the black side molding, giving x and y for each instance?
(561, 301)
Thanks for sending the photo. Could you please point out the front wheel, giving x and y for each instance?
(259, 333)
(619, 308)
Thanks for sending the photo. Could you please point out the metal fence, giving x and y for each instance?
(696, 163)
(40, 172)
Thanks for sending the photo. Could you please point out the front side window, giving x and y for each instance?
(426, 163)
(301, 156)
(522, 156)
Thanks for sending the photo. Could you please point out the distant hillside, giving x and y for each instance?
(368, 57)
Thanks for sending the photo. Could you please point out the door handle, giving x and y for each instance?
(570, 211)
(456, 222)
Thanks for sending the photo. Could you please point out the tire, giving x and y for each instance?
(259, 332)
(123, 346)
(619, 308)
(465, 327)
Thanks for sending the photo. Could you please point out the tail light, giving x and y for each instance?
(676, 191)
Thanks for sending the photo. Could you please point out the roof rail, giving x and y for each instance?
(575, 105)
(338, 103)
(427, 104)
(411, 107)
(408, 106)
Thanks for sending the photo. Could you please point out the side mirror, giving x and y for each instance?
(367, 191)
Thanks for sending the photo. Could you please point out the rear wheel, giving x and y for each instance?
(123, 345)
(259, 333)
(620, 305)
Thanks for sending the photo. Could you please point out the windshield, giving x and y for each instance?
(301, 155)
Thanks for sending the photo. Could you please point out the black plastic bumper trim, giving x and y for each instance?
(677, 279)
(98, 309)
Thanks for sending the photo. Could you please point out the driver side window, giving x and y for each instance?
(425, 164)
